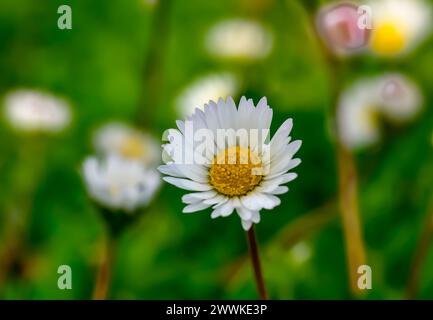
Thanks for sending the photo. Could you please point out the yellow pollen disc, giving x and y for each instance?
(388, 39)
(132, 148)
(235, 171)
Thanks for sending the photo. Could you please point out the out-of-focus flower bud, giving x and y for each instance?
(343, 29)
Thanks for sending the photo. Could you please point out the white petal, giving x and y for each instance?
(198, 196)
(280, 137)
(256, 201)
(224, 210)
(280, 190)
(244, 213)
(187, 184)
(251, 201)
(246, 224)
(292, 163)
(217, 199)
(256, 217)
(281, 161)
(195, 207)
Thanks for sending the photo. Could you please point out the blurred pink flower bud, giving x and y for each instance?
(341, 27)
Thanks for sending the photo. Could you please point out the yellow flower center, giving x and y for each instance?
(235, 171)
(132, 148)
(388, 39)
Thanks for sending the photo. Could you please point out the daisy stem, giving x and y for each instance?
(348, 184)
(103, 277)
(255, 261)
(419, 257)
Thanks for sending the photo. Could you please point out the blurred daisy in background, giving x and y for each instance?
(239, 39)
(120, 139)
(35, 111)
(337, 24)
(361, 107)
(120, 184)
(242, 176)
(399, 97)
(301, 252)
(206, 88)
(399, 25)
(357, 115)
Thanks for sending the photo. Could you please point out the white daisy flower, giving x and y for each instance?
(399, 25)
(239, 39)
(122, 140)
(30, 110)
(399, 97)
(362, 105)
(206, 88)
(236, 168)
(120, 184)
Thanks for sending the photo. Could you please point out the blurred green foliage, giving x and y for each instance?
(100, 67)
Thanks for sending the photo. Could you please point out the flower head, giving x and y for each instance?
(239, 39)
(31, 111)
(399, 97)
(399, 25)
(126, 142)
(223, 154)
(339, 27)
(120, 184)
(357, 115)
(361, 107)
(206, 88)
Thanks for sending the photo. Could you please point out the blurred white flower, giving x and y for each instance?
(120, 184)
(150, 3)
(337, 25)
(301, 252)
(206, 88)
(392, 96)
(399, 97)
(246, 176)
(399, 25)
(357, 115)
(122, 140)
(239, 39)
(30, 110)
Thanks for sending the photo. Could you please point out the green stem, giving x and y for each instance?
(153, 64)
(419, 257)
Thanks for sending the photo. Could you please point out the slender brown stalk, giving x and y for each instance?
(420, 255)
(103, 277)
(18, 212)
(347, 172)
(348, 184)
(255, 261)
(301, 228)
